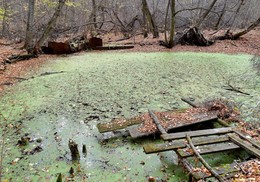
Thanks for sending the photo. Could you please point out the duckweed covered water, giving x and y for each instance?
(97, 87)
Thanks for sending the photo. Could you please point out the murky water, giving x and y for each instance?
(82, 90)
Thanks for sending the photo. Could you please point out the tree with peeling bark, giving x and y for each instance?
(49, 27)
(28, 44)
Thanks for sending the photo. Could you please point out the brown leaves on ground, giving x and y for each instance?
(251, 172)
(170, 119)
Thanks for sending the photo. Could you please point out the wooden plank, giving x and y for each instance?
(251, 140)
(223, 123)
(189, 102)
(135, 133)
(247, 146)
(176, 144)
(157, 122)
(207, 149)
(179, 135)
(114, 125)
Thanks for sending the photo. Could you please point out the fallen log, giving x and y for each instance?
(113, 47)
(157, 122)
(16, 58)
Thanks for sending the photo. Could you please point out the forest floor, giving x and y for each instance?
(250, 44)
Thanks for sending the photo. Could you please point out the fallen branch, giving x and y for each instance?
(234, 89)
(16, 58)
(157, 122)
(206, 165)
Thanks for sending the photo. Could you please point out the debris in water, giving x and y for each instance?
(74, 150)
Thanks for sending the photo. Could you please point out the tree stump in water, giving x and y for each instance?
(74, 150)
(193, 36)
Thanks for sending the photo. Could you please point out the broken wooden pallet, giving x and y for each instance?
(200, 119)
(207, 142)
(134, 131)
(181, 143)
(227, 171)
(173, 136)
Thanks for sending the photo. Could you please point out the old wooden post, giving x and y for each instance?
(74, 150)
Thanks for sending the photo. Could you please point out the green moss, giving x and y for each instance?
(97, 87)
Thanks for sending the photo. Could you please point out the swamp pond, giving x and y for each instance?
(68, 96)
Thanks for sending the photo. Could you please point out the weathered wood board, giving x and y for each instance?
(114, 125)
(245, 145)
(173, 136)
(207, 149)
(136, 133)
(181, 143)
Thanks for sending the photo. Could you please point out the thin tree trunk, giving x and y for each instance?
(145, 27)
(221, 16)
(150, 20)
(49, 26)
(205, 14)
(93, 15)
(29, 32)
(4, 21)
(251, 27)
(172, 31)
(166, 22)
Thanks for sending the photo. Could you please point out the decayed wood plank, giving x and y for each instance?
(176, 144)
(114, 125)
(189, 102)
(113, 47)
(248, 147)
(206, 149)
(157, 122)
(179, 135)
(251, 140)
(135, 133)
(206, 165)
(223, 123)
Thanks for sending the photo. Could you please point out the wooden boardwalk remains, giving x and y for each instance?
(206, 142)
(191, 144)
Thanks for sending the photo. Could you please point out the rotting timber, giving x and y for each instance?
(191, 145)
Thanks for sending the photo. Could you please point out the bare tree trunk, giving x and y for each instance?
(205, 14)
(221, 15)
(49, 26)
(4, 21)
(150, 20)
(172, 31)
(93, 15)
(251, 27)
(29, 32)
(145, 27)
